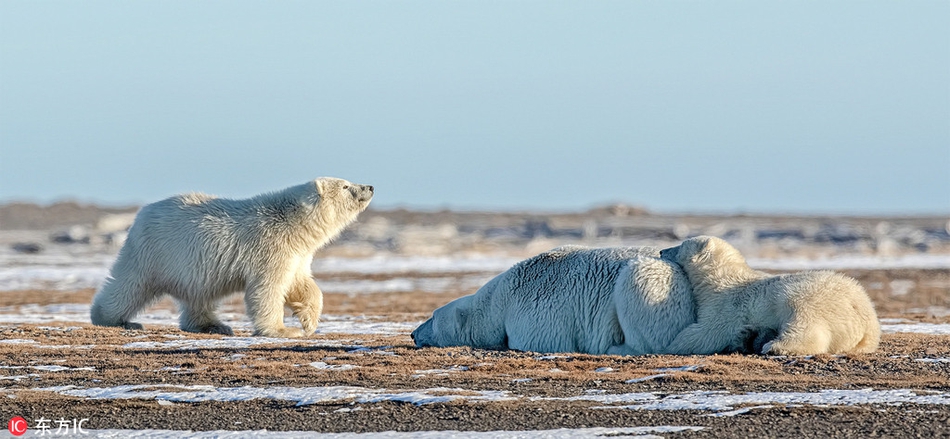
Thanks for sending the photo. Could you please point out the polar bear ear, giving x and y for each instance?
(311, 196)
(700, 251)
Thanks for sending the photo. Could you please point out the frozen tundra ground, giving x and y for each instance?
(360, 376)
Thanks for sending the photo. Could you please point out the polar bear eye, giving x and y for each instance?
(345, 187)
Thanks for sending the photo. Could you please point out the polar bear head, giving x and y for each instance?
(343, 195)
(315, 212)
(447, 327)
(709, 262)
(336, 203)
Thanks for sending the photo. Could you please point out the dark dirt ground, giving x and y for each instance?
(81, 345)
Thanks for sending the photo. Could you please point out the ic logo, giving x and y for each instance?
(17, 426)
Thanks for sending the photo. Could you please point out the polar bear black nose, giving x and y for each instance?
(370, 188)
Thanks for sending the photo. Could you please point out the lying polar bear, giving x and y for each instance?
(624, 301)
(803, 313)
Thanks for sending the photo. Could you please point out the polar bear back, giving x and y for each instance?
(569, 289)
(624, 301)
(169, 238)
(833, 302)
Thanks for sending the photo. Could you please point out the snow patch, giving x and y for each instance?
(338, 367)
(853, 261)
(647, 378)
(741, 411)
(49, 368)
(385, 263)
(717, 401)
(300, 395)
(223, 343)
(917, 328)
(720, 401)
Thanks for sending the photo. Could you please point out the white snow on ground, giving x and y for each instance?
(388, 263)
(324, 366)
(647, 378)
(891, 326)
(63, 271)
(329, 324)
(48, 368)
(301, 395)
(79, 312)
(715, 401)
(719, 401)
(563, 433)
(60, 278)
(854, 261)
(469, 283)
(918, 328)
(223, 343)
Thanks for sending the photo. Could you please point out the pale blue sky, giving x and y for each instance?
(832, 107)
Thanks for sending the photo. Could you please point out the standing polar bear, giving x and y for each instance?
(793, 314)
(624, 301)
(198, 249)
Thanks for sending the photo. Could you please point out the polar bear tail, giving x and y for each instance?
(872, 335)
(869, 343)
(863, 309)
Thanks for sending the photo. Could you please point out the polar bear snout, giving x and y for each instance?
(362, 192)
(422, 336)
(669, 253)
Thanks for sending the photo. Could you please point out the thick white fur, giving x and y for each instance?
(805, 313)
(624, 301)
(198, 249)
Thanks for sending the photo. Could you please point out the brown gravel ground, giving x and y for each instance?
(395, 364)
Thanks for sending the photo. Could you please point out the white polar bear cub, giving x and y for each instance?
(624, 301)
(198, 249)
(805, 313)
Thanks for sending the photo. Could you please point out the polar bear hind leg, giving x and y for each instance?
(699, 339)
(119, 300)
(871, 339)
(800, 340)
(199, 316)
(754, 339)
(306, 301)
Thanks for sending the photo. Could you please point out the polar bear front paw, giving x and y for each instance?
(308, 316)
(132, 325)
